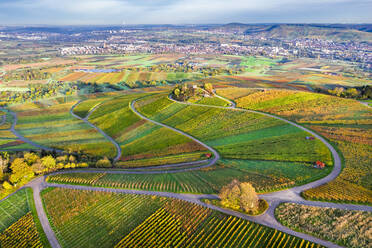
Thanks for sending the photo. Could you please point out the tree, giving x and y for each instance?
(351, 92)
(336, 91)
(31, 158)
(48, 162)
(21, 172)
(4, 161)
(103, 163)
(239, 196)
(208, 87)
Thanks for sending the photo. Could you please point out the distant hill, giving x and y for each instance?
(339, 32)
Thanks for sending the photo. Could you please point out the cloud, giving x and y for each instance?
(181, 11)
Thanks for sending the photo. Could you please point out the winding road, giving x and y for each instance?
(274, 199)
(117, 147)
(21, 137)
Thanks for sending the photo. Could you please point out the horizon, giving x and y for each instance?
(182, 24)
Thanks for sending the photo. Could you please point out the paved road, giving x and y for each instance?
(274, 199)
(117, 147)
(24, 139)
(37, 186)
(365, 103)
(216, 156)
(3, 120)
(269, 221)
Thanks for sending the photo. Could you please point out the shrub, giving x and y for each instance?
(7, 185)
(103, 163)
(241, 196)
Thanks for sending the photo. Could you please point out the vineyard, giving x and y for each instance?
(344, 122)
(50, 123)
(142, 142)
(345, 227)
(22, 233)
(237, 134)
(150, 221)
(19, 226)
(13, 209)
(265, 176)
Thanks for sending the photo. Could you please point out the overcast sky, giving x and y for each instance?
(183, 11)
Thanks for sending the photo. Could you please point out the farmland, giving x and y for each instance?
(18, 222)
(343, 121)
(50, 123)
(265, 176)
(347, 228)
(140, 140)
(237, 134)
(151, 221)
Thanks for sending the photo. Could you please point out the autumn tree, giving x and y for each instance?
(21, 172)
(4, 161)
(30, 158)
(104, 163)
(239, 196)
(208, 87)
(48, 162)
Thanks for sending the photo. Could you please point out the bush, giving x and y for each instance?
(7, 185)
(103, 163)
(240, 196)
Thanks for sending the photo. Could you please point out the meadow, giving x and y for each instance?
(344, 227)
(121, 220)
(345, 122)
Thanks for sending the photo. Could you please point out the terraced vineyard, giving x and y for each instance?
(150, 221)
(142, 142)
(237, 134)
(51, 124)
(345, 122)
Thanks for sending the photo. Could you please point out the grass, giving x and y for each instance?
(121, 220)
(262, 207)
(13, 208)
(214, 101)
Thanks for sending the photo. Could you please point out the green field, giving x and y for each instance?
(91, 219)
(19, 224)
(52, 125)
(345, 122)
(265, 176)
(142, 141)
(237, 134)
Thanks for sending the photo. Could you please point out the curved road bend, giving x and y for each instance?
(197, 200)
(37, 186)
(268, 219)
(215, 153)
(296, 190)
(24, 139)
(3, 120)
(117, 147)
